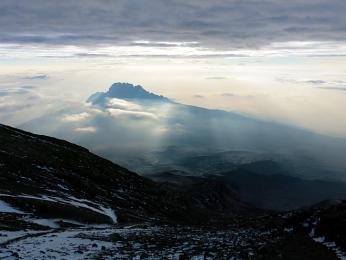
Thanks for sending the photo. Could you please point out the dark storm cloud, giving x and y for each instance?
(14, 107)
(318, 82)
(37, 77)
(334, 88)
(216, 78)
(220, 24)
(232, 95)
(198, 96)
(16, 90)
(228, 95)
(16, 99)
(338, 85)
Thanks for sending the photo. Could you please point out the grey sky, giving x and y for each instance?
(218, 24)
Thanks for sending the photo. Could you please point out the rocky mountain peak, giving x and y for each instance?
(126, 91)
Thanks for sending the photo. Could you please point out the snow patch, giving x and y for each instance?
(62, 187)
(7, 208)
(60, 245)
(110, 213)
(81, 203)
(44, 168)
(45, 222)
(330, 245)
(5, 236)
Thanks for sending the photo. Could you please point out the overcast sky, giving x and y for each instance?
(216, 24)
(277, 60)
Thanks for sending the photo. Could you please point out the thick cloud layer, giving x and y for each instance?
(219, 24)
(140, 133)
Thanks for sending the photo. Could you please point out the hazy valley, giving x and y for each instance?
(192, 200)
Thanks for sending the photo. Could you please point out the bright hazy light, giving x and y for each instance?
(294, 82)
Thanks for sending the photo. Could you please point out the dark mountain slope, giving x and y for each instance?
(265, 184)
(51, 190)
(56, 179)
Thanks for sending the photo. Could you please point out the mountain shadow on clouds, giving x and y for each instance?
(138, 130)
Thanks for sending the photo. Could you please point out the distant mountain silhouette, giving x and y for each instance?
(125, 91)
(136, 128)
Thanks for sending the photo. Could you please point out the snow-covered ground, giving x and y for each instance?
(65, 199)
(6, 236)
(142, 241)
(55, 238)
(132, 242)
(7, 208)
(54, 245)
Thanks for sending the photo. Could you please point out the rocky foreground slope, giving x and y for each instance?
(56, 179)
(59, 201)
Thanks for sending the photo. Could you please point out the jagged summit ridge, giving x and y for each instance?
(126, 91)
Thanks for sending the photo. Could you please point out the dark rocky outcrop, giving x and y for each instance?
(57, 179)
